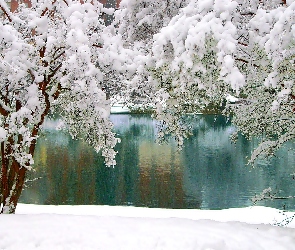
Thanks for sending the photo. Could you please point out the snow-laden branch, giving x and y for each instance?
(49, 63)
(205, 51)
(5, 9)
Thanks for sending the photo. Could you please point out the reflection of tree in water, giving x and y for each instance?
(219, 168)
(161, 177)
(160, 170)
(146, 174)
(68, 171)
(210, 172)
(214, 166)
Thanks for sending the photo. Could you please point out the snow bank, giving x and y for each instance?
(105, 227)
(252, 215)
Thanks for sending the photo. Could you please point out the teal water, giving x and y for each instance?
(209, 173)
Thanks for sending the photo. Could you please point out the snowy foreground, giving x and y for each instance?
(105, 227)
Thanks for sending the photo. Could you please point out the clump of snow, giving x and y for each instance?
(3, 134)
(231, 98)
(275, 105)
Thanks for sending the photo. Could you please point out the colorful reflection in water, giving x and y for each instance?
(210, 172)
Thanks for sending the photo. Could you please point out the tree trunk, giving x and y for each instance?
(11, 186)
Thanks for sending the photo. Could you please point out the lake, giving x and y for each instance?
(210, 172)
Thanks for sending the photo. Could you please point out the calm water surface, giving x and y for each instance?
(209, 173)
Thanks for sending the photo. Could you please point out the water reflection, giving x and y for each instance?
(209, 173)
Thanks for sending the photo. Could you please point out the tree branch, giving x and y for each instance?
(54, 71)
(36, 127)
(244, 44)
(248, 14)
(245, 61)
(97, 45)
(46, 9)
(57, 92)
(58, 49)
(58, 56)
(66, 2)
(3, 111)
(6, 12)
(31, 74)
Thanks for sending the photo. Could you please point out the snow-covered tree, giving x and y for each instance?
(209, 51)
(186, 56)
(50, 60)
(179, 55)
(135, 24)
(268, 105)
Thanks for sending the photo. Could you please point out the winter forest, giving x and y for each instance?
(179, 56)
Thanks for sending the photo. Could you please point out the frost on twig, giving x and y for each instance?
(266, 194)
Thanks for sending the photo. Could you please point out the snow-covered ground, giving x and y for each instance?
(105, 227)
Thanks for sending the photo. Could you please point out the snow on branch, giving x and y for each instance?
(5, 10)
